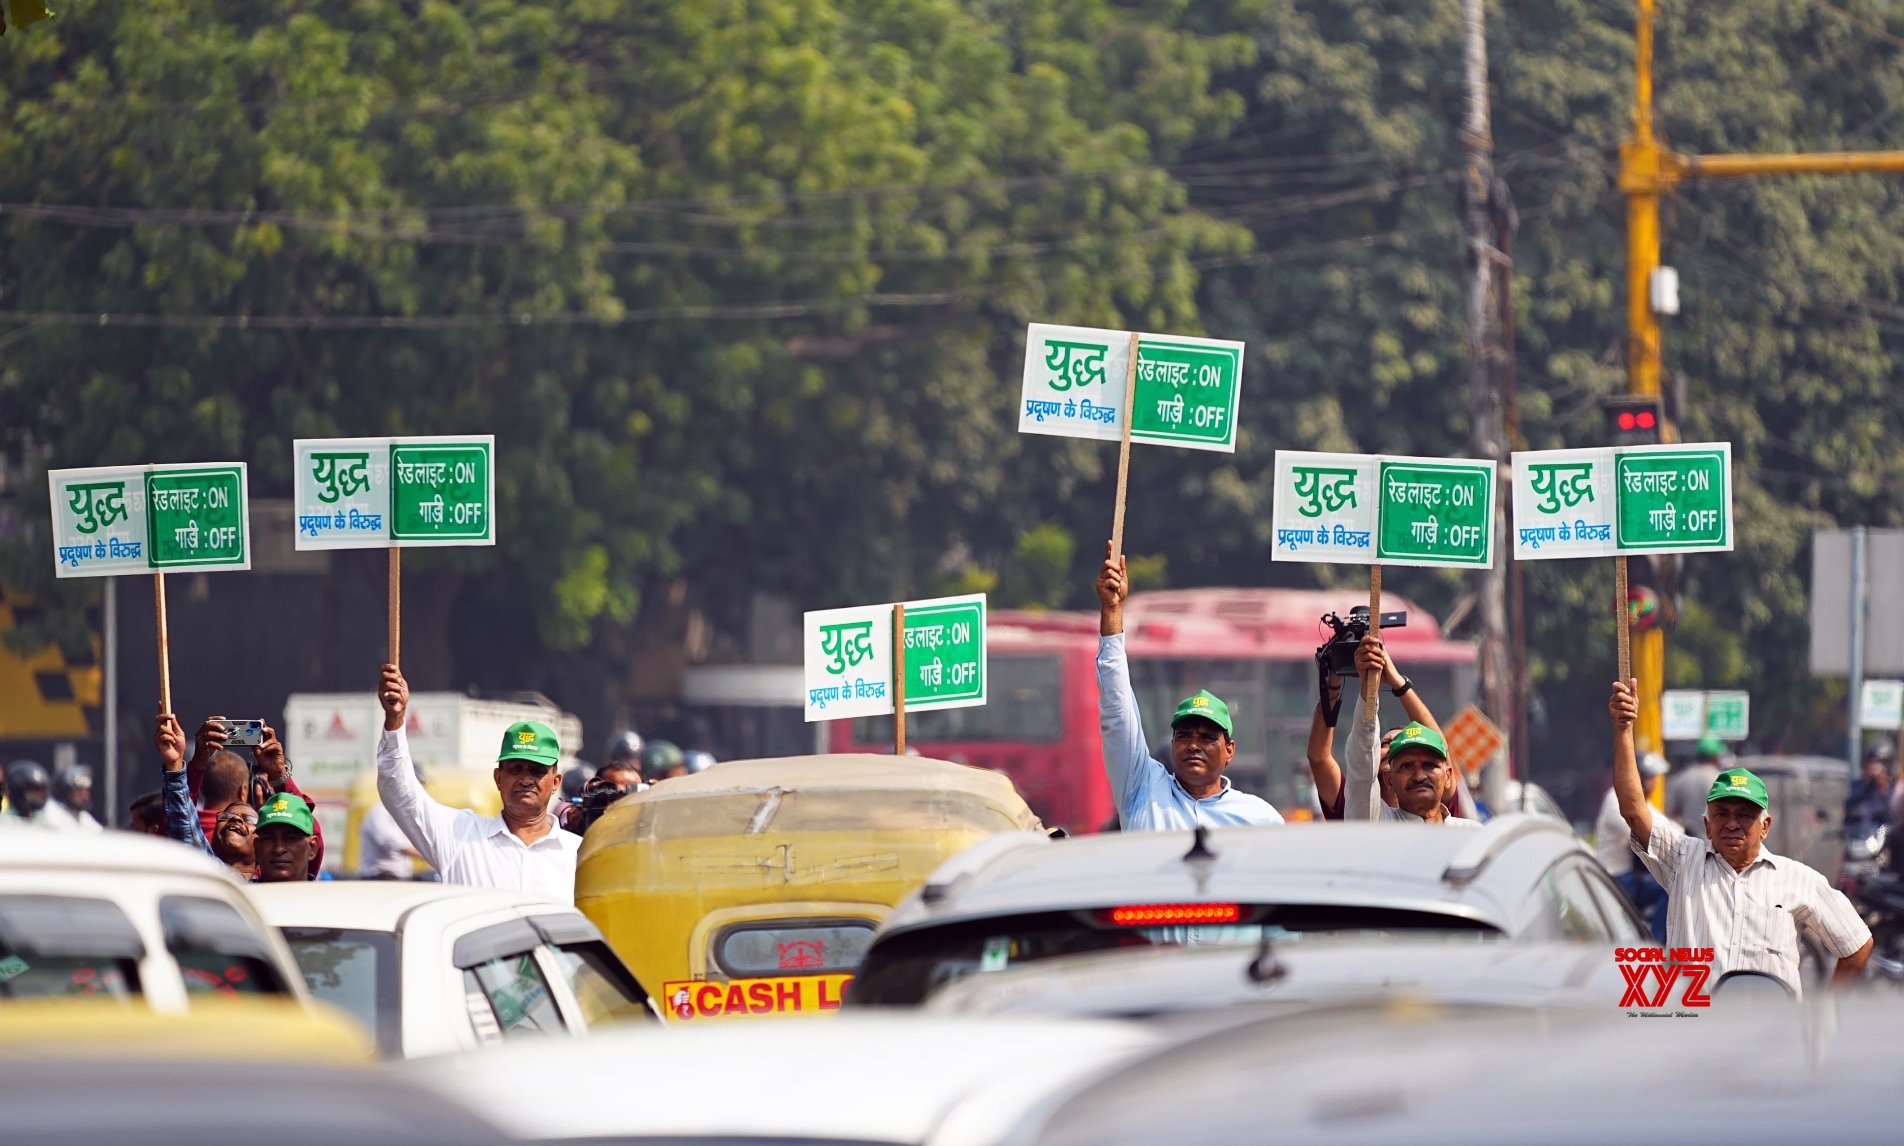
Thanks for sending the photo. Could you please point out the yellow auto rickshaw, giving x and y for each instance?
(754, 887)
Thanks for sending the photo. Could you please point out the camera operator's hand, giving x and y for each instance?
(209, 739)
(393, 692)
(1113, 586)
(1372, 657)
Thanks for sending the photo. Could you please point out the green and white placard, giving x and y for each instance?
(1693, 714)
(1623, 500)
(1881, 705)
(1728, 714)
(1368, 509)
(849, 658)
(1187, 389)
(113, 520)
(372, 493)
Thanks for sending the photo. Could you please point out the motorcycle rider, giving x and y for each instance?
(1868, 802)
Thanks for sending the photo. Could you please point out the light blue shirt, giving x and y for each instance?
(1148, 796)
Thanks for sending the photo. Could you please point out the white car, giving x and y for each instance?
(898, 1079)
(430, 968)
(120, 915)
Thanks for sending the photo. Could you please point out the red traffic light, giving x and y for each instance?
(1627, 420)
(1646, 420)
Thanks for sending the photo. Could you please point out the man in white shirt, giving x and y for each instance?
(520, 850)
(383, 851)
(1727, 892)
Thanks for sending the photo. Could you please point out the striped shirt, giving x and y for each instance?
(1749, 918)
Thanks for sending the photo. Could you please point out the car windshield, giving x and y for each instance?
(66, 945)
(906, 969)
(357, 971)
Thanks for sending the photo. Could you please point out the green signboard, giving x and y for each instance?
(440, 492)
(196, 517)
(1186, 393)
(1672, 499)
(945, 654)
(1435, 512)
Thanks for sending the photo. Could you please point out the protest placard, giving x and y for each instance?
(853, 669)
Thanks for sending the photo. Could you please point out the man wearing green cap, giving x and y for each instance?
(282, 847)
(519, 850)
(1727, 892)
(1419, 771)
(1194, 789)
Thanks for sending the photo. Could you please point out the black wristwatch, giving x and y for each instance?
(1403, 690)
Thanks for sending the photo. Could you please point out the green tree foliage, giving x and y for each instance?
(741, 284)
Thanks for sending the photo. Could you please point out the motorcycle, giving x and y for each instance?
(1878, 893)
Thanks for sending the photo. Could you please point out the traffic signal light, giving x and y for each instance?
(1633, 420)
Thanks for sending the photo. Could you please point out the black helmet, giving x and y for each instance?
(22, 777)
(625, 746)
(69, 779)
(658, 757)
(1879, 750)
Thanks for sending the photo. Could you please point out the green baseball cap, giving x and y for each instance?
(1415, 735)
(287, 808)
(1741, 783)
(1711, 748)
(530, 740)
(1204, 705)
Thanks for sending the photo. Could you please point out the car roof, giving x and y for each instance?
(381, 905)
(116, 1099)
(1768, 1072)
(1162, 981)
(1426, 867)
(25, 848)
(865, 1077)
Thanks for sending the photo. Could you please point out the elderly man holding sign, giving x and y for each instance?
(1193, 791)
(1727, 892)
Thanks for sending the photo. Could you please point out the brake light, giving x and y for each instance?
(1163, 914)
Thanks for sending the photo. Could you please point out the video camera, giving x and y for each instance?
(597, 798)
(1336, 656)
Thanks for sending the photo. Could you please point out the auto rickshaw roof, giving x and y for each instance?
(838, 791)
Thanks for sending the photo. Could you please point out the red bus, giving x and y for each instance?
(1255, 648)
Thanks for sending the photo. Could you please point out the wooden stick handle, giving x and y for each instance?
(396, 605)
(1622, 628)
(1372, 684)
(165, 641)
(899, 680)
(1123, 452)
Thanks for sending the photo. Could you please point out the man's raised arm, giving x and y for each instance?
(1361, 784)
(1624, 707)
(1323, 768)
(427, 823)
(1126, 755)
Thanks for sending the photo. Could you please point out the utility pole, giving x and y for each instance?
(1648, 171)
(1485, 422)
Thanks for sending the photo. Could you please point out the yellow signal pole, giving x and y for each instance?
(1648, 171)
